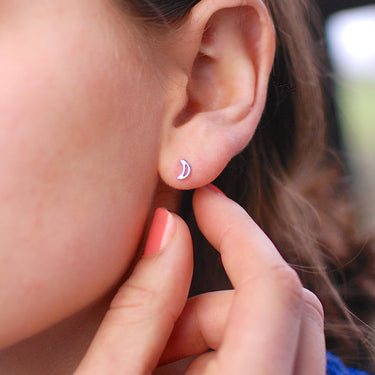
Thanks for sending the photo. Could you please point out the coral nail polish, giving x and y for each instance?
(161, 230)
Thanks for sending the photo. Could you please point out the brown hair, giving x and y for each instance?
(291, 185)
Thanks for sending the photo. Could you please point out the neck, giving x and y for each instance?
(57, 350)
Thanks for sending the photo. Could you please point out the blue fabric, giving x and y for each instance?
(336, 367)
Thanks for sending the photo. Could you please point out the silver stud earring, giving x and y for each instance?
(186, 170)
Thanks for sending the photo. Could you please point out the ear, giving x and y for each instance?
(224, 54)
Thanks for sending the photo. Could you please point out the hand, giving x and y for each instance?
(269, 324)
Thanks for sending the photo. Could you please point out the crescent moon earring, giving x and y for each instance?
(186, 170)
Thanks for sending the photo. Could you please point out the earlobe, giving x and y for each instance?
(232, 43)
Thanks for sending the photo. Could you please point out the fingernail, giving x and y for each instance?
(161, 231)
(215, 189)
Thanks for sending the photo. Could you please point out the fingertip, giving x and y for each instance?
(162, 229)
(213, 188)
(207, 191)
(210, 188)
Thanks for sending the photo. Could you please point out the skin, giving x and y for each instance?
(86, 154)
(267, 315)
(65, 198)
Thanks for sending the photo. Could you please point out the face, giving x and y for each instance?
(78, 147)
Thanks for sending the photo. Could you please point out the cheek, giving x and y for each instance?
(76, 182)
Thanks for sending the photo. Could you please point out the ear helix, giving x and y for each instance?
(186, 170)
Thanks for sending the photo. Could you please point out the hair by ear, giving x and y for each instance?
(228, 48)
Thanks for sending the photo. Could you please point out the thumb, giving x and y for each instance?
(142, 315)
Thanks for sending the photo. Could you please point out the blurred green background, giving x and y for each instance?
(351, 42)
(356, 102)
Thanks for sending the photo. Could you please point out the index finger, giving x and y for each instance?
(262, 330)
(231, 231)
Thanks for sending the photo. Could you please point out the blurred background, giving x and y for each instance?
(350, 33)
